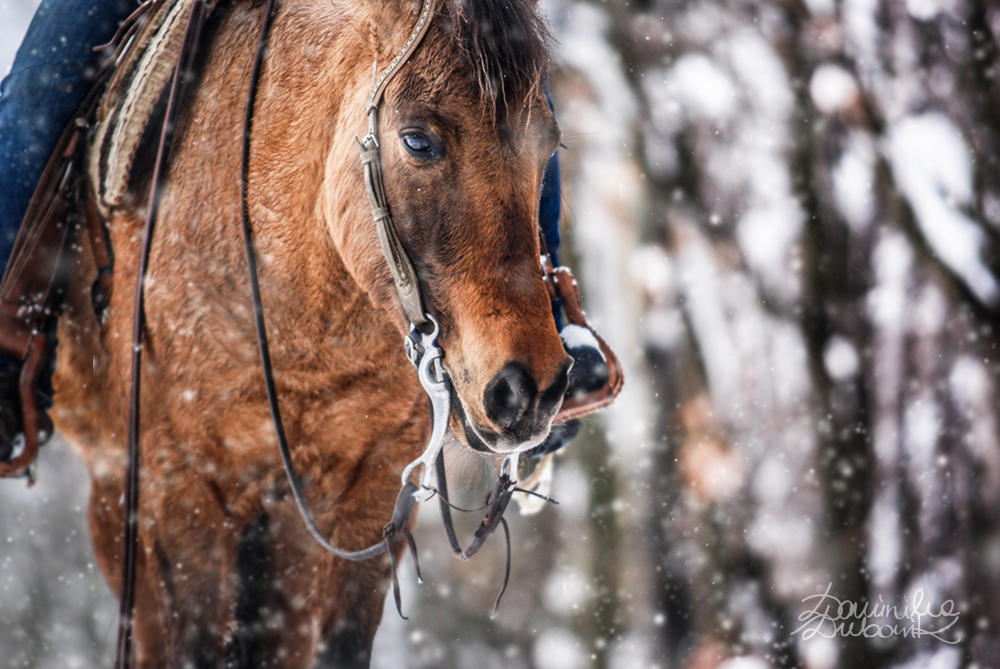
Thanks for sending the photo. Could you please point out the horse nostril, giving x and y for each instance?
(554, 394)
(509, 395)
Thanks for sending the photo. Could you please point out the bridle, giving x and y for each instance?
(421, 344)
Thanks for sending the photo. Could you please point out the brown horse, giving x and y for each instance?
(226, 568)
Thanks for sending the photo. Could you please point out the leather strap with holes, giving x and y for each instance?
(33, 287)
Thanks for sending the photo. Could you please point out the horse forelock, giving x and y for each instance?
(504, 46)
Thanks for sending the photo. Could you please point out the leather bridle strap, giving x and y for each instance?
(409, 46)
(495, 506)
(404, 275)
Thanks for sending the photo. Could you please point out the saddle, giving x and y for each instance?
(112, 118)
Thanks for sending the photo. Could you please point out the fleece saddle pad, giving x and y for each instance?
(145, 66)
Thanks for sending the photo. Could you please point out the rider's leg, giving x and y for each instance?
(52, 72)
(54, 68)
(590, 370)
(549, 213)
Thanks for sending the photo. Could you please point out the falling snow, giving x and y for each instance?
(784, 218)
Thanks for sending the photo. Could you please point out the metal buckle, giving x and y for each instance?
(369, 141)
(510, 466)
(423, 351)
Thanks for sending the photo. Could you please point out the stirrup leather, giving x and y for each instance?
(32, 290)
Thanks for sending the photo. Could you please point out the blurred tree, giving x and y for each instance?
(817, 262)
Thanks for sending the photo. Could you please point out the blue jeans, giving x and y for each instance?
(54, 68)
(550, 206)
(549, 210)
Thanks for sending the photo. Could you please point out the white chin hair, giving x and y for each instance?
(471, 473)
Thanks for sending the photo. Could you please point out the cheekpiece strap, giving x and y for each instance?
(403, 273)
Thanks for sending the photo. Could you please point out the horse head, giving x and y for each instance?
(465, 133)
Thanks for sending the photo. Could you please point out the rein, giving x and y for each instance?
(130, 541)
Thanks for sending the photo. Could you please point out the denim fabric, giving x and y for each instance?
(550, 206)
(549, 210)
(52, 72)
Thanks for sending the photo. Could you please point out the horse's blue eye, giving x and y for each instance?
(419, 145)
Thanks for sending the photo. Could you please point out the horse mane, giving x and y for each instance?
(505, 46)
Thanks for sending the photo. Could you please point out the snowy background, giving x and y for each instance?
(786, 218)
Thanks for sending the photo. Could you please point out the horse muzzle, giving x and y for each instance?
(521, 414)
